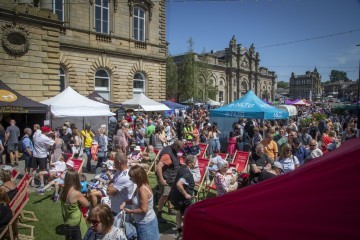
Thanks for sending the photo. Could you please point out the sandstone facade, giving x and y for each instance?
(74, 44)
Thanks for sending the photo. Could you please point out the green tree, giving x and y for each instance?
(283, 84)
(336, 75)
(171, 78)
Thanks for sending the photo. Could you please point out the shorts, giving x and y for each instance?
(182, 206)
(39, 163)
(12, 147)
(28, 160)
(59, 180)
(165, 190)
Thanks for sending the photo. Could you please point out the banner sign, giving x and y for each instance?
(14, 110)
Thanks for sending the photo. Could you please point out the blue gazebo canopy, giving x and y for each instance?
(249, 106)
(174, 105)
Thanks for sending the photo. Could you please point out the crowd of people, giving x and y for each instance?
(120, 193)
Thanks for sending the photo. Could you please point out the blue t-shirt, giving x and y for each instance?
(27, 143)
(84, 186)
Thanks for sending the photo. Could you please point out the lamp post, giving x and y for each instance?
(357, 102)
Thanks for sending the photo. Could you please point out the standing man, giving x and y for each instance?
(12, 141)
(28, 147)
(183, 190)
(120, 188)
(41, 144)
(166, 171)
(88, 136)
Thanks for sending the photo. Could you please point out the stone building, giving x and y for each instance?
(337, 89)
(236, 70)
(115, 47)
(302, 86)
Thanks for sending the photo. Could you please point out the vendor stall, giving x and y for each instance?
(75, 108)
(141, 102)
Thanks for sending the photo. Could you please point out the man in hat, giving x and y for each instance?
(88, 136)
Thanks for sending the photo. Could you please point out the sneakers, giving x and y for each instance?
(55, 199)
(40, 191)
(160, 218)
(172, 212)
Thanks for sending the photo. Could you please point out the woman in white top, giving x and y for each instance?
(288, 161)
(143, 203)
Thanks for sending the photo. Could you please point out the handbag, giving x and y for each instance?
(126, 223)
(71, 232)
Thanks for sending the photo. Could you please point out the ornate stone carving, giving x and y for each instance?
(15, 40)
(116, 2)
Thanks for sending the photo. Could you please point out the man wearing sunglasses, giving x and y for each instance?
(313, 151)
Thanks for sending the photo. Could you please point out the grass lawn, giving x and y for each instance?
(51, 220)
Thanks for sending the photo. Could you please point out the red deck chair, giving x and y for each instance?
(241, 160)
(201, 184)
(153, 164)
(212, 186)
(203, 148)
(14, 174)
(223, 155)
(78, 163)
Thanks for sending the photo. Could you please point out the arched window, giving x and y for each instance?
(244, 87)
(139, 83)
(139, 24)
(102, 83)
(62, 77)
(102, 16)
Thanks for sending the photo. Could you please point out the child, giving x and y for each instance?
(57, 182)
(98, 188)
(84, 184)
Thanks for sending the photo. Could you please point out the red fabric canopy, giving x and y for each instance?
(320, 200)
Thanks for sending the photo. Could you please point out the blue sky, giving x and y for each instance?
(211, 24)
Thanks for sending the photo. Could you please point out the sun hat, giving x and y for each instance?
(278, 165)
(70, 163)
(109, 164)
(137, 148)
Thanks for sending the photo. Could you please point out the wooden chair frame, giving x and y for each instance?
(246, 166)
(153, 164)
(199, 186)
(203, 155)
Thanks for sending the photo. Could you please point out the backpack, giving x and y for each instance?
(21, 148)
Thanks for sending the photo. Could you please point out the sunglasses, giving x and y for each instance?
(94, 223)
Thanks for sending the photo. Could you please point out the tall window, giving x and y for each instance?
(58, 9)
(139, 84)
(102, 16)
(62, 79)
(139, 24)
(221, 96)
(102, 84)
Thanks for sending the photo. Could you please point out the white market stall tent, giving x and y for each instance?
(75, 108)
(213, 102)
(142, 102)
(290, 109)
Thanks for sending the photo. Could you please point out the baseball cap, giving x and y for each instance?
(45, 129)
(87, 125)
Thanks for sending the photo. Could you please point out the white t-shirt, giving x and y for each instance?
(289, 163)
(59, 166)
(125, 190)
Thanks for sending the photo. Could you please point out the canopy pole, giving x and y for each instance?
(263, 127)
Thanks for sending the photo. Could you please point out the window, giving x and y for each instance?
(139, 84)
(62, 79)
(58, 9)
(102, 16)
(139, 24)
(102, 84)
(221, 96)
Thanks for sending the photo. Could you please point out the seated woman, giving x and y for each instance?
(5, 211)
(57, 182)
(287, 159)
(149, 155)
(8, 185)
(98, 188)
(57, 167)
(135, 156)
(102, 220)
(222, 182)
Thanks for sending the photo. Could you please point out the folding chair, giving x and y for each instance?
(14, 174)
(143, 149)
(241, 160)
(199, 186)
(223, 155)
(203, 148)
(17, 208)
(78, 163)
(153, 164)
